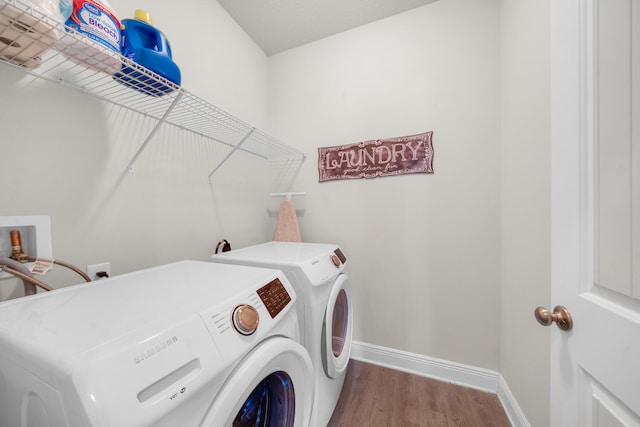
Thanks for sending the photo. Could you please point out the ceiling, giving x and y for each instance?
(278, 25)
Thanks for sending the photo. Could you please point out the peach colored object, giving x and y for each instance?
(287, 228)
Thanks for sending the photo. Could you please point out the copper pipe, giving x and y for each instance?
(16, 244)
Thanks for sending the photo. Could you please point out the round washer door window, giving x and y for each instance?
(338, 328)
(271, 404)
(272, 387)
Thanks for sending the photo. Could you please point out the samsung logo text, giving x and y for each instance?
(159, 347)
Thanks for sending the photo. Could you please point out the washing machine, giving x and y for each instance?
(185, 344)
(318, 273)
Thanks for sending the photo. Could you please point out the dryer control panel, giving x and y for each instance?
(325, 267)
(338, 252)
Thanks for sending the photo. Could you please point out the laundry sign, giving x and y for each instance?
(380, 157)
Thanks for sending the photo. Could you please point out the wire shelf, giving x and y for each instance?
(45, 48)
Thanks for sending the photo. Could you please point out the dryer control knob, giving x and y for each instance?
(245, 319)
(335, 260)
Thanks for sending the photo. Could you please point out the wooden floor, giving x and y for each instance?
(377, 396)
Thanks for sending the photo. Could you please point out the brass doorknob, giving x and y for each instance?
(560, 315)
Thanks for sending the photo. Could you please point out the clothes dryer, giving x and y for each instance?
(318, 273)
(189, 344)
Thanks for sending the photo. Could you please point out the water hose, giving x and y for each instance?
(25, 257)
(17, 269)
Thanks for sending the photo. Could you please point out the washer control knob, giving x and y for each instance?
(335, 260)
(245, 319)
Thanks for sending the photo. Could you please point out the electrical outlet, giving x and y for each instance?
(94, 271)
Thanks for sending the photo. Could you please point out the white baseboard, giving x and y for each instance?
(451, 372)
(510, 405)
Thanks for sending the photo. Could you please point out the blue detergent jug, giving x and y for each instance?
(147, 46)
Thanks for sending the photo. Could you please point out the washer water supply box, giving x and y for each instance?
(146, 45)
(35, 233)
(27, 32)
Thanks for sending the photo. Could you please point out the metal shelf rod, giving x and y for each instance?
(230, 153)
(153, 132)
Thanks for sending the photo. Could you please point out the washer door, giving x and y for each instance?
(338, 328)
(271, 387)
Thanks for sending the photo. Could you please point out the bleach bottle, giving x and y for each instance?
(96, 20)
(147, 46)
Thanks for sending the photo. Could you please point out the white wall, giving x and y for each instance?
(424, 249)
(525, 202)
(65, 155)
(458, 259)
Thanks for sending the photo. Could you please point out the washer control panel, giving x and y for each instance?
(274, 296)
(239, 322)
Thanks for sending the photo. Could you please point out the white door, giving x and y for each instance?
(595, 273)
